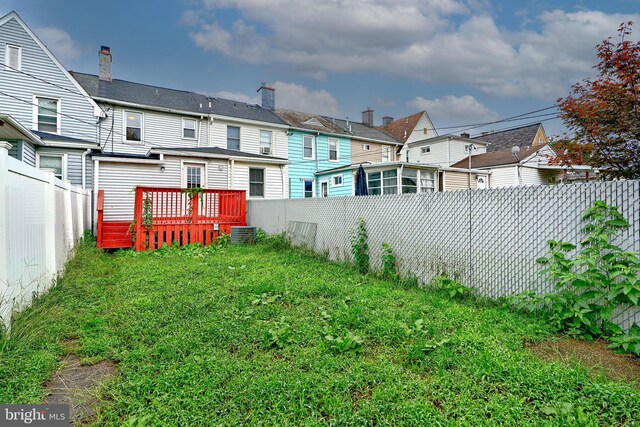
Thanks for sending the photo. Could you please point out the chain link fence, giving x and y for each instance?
(487, 239)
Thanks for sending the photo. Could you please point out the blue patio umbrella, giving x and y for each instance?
(361, 182)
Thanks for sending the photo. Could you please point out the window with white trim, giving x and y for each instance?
(55, 162)
(307, 188)
(427, 181)
(334, 153)
(12, 57)
(47, 114)
(233, 138)
(266, 136)
(366, 147)
(133, 126)
(386, 154)
(337, 181)
(193, 175)
(409, 181)
(385, 182)
(256, 182)
(468, 148)
(307, 147)
(425, 150)
(189, 128)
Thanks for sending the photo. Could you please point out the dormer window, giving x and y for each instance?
(13, 57)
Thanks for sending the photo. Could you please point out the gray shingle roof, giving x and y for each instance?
(503, 140)
(220, 151)
(361, 130)
(154, 96)
(61, 138)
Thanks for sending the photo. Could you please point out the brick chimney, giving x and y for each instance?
(268, 96)
(386, 120)
(105, 63)
(367, 117)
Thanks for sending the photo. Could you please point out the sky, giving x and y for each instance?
(466, 62)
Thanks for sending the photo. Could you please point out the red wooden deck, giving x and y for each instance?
(169, 215)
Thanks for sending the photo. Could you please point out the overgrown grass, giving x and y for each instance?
(259, 335)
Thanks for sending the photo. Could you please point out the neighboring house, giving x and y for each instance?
(369, 144)
(316, 144)
(395, 177)
(522, 136)
(154, 136)
(37, 91)
(412, 128)
(443, 151)
(528, 166)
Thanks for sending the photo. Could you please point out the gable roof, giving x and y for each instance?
(497, 158)
(300, 120)
(503, 140)
(401, 129)
(361, 130)
(173, 100)
(97, 111)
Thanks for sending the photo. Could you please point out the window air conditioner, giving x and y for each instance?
(265, 150)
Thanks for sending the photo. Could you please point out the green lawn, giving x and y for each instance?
(238, 336)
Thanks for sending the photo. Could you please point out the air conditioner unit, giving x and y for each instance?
(242, 234)
(265, 150)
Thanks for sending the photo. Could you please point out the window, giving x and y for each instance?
(265, 141)
(133, 126)
(47, 115)
(189, 128)
(386, 154)
(425, 150)
(307, 187)
(333, 150)
(233, 138)
(256, 182)
(307, 147)
(337, 181)
(366, 147)
(425, 131)
(324, 189)
(409, 181)
(427, 181)
(385, 182)
(468, 148)
(193, 175)
(53, 161)
(13, 57)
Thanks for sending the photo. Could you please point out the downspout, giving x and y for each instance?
(282, 178)
(399, 180)
(209, 124)
(84, 168)
(315, 186)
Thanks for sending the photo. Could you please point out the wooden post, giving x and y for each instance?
(137, 217)
(243, 208)
(100, 209)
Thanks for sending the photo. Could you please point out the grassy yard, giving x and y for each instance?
(263, 335)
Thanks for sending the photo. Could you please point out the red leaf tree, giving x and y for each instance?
(604, 113)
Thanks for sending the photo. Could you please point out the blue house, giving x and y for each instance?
(317, 144)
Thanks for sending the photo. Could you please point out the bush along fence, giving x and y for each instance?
(41, 219)
(488, 240)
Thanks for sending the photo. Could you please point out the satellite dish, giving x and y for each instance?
(515, 151)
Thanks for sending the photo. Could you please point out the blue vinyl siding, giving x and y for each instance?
(305, 169)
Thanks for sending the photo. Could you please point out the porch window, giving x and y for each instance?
(256, 182)
(385, 182)
(233, 138)
(409, 181)
(427, 181)
(133, 126)
(47, 119)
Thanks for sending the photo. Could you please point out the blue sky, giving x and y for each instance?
(464, 61)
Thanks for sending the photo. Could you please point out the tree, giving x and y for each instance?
(604, 113)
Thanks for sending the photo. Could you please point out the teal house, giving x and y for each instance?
(317, 144)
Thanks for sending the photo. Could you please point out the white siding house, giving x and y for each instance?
(443, 150)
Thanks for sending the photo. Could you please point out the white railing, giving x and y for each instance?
(41, 219)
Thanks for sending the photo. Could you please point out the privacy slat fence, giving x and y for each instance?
(168, 215)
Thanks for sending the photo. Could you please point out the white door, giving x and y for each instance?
(193, 175)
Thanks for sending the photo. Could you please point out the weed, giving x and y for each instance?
(389, 264)
(452, 287)
(359, 246)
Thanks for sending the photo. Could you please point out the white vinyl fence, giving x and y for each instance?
(41, 219)
(487, 239)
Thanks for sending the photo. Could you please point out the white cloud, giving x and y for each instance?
(296, 97)
(454, 110)
(414, 38)
(60, 43)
